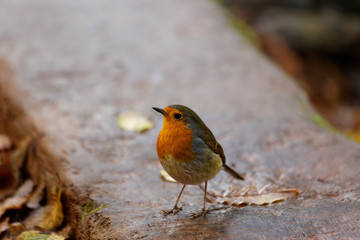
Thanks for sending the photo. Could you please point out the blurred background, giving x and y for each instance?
(318, 43)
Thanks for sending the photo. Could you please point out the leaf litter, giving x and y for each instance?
(4, 224)
(10, 165)
(5, 142)
(257, 190)
(37, 235)
(51, 215)
(19, 198)
(22, 188)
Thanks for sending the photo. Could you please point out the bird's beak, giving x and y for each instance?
(160, 111)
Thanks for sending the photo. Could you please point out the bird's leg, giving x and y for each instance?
(175, 209)
(204, 210)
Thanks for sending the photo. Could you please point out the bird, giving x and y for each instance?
(188, 151)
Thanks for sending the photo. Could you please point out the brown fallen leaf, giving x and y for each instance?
(36, 174)
(19, 154)
(51, 215)
(133, 121)
(8, 181)
(4, 225)
(10, 164)
(259, 191)
(5, 158)
(33, 162)
(165, 176)
(16, 228)
(37, 235)
(5, 142)
(36, 196)
(65, 231)
(261, 199)
(18, 199)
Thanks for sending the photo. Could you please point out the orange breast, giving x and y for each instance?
(175, 139)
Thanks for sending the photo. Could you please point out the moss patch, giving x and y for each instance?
(91, 208)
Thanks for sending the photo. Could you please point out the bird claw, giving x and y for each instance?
(202, 214)
(174, 210)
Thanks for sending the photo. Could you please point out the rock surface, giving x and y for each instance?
(81, 63)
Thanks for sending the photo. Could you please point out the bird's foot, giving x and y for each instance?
(202, 213)
(174, 210)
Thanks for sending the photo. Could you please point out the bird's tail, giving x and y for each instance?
(232, 172)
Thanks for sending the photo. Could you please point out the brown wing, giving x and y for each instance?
(208, 137)
(219, 150)
(216, 148)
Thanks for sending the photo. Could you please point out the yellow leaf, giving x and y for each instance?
(133, 121)
(36, 235)
(16, 228)
(51, 215)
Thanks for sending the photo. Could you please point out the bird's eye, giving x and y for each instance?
(177, 115)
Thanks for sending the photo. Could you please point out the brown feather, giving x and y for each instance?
(194, 122)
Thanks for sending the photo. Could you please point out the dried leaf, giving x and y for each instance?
(9, 172)
(36, 174)
(261, 199)
(258, 191)
(36, 196)
(165, 176)
(65, 231)
(16, 228)
(37, 235)
(19, 154)
(4, 225)
(133, 121)
(33, 167)
(8, 182)
(5, 158)
(5, 142)
(51, 215)
(19, 198)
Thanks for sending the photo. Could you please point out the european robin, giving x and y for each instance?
(188, 151)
